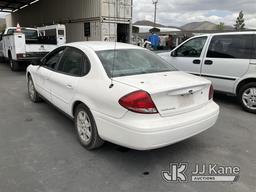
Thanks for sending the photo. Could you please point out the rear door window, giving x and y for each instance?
(73, 63)
(52, 60)
(231, 46)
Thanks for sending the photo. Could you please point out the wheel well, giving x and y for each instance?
(244, 82)
(75, 105)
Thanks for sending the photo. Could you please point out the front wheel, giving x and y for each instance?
(247, 97)
(86, 128)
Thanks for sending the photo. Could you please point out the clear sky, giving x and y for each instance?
(179, 12)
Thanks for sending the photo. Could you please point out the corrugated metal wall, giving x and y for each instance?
(74, 13)
(116, 9)
(57, 11)
(75, 32)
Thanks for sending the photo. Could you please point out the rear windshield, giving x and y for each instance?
(29, 33)
(132, 62)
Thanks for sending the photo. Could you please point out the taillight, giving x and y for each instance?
(211, 92)
(139, 102)
(20, 55)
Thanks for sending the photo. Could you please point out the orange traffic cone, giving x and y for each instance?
(18, 28)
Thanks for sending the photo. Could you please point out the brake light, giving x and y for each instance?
(20, 55)
(138, 102)
(211, 92)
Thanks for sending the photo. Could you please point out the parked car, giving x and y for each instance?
(123, 94)
(227, 59)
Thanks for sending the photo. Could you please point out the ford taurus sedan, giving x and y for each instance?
(123, 94)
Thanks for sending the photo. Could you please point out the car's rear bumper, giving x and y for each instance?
(153, 131)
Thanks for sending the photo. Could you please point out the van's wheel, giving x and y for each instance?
(247, 97)
(13, 64)
(33, 95)
(86, 128)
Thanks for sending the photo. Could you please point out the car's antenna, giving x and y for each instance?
(113, 66)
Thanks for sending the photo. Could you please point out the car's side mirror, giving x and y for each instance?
(37, 62)
(174, 54)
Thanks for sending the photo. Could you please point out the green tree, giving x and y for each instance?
(220, 26)
(240, 25)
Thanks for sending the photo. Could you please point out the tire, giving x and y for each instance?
(247, 97)
(86, 128)
(32, 93)
(14, 65)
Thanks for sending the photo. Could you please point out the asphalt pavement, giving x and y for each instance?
(39, 151)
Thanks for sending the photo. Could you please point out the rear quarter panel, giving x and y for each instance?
(99, 97)
(251, 74)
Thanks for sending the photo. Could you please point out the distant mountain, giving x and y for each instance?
(194, 26)
(147, 23)
(204, 25)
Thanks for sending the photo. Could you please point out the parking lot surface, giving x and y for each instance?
(39, 151)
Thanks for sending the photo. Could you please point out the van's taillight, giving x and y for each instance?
(211, 92)
(139, 102)
(20, 56)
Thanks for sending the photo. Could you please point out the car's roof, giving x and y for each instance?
(102, 45)
(228, 33)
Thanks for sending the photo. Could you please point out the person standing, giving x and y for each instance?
(155, 40)
(170, 42)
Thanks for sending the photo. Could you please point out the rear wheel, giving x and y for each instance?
(13, 64)
(86, 128)
(33, 95)
(247, 97)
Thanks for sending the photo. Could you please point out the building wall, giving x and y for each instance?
(47, 12)
(75, 32)
(73, 14)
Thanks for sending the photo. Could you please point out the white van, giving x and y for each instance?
(227, 59)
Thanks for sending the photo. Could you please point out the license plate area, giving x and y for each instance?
(185, 100)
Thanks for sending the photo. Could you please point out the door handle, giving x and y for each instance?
(208, 62)
(197, 61)
(69, 86)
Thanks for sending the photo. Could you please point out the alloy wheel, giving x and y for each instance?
(84, 126)
(249, 98)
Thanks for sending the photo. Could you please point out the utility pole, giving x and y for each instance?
(155, 3)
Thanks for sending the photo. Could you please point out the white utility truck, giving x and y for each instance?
(22, 45)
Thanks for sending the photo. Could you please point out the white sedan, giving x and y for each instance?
(123, 94)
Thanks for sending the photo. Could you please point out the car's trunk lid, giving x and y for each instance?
(172, 92)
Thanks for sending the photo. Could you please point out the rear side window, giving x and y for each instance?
(231, 46)
(73, 63)
(61, 32)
